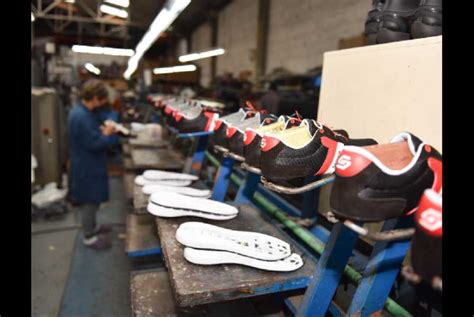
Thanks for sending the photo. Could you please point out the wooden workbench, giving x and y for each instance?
(196, 284)
(128, 183)
(147, 143)
(152, 296)
(140, 200)
(142, 237)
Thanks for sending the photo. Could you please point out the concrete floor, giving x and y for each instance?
(71, 280)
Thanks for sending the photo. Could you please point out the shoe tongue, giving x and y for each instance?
(311, 125)
(413, 141)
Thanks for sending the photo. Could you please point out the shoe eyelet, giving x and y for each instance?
(427, 148)
(321, 130)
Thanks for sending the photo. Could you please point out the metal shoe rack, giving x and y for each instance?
(326, 250)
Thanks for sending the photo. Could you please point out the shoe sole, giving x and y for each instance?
(166, 212)
(205, 257)
(188, 191)
(163, 175)
(142, 181)
(177, 201)
(259, 246)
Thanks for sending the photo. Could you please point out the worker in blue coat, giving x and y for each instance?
(89, 139)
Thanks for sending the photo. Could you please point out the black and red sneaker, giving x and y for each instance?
(306, 150)
(220, 127)
(195, 119)
(253, 137)
(235, 132)
(426, 249)
(376, 183)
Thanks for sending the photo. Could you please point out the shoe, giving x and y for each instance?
(396, 19)
(253, 137)
(381, 182)
(97, 242)
(373, 20)
(195, 119)
(426, 249)
(221, 124)
(235, 132)
(428, 20)
(306, 150)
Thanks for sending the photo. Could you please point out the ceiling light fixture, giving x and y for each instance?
(162, 21)
(103, 50)
(32, 17)
(175, 69)
(92, 68)
(113, 11)
(201, 55)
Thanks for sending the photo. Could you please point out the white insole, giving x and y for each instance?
(207, 257)
(252, 244)
(161, 175)
(142, 181)
(173, 213)
(188, 191)
(178, 201)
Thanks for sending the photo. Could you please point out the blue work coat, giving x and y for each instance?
(88, 181)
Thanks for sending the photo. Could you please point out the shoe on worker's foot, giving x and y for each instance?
(97, 242)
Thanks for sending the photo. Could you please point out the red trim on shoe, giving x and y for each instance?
(350, 164)
(218, 124)
(177, 117)
(331, 145)
(230, 132)
(168, 110)
(268, 143)
(437, 167)
(210, 117)
(249, 137)
(429, 217)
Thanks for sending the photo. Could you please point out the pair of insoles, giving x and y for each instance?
(207, 244)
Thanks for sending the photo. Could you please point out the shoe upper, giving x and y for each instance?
(235, 132)
(385, 181)
(220, 128)
(309, 149)
(427, 243)
(195, 119)
(253, 137)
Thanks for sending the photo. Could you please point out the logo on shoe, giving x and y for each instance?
(431, 220)
(343, 162)
(263, 143)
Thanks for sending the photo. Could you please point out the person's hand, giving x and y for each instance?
(108, 128)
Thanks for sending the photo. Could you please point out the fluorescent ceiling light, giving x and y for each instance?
(114, 11)
(102, 50)
(174, 69)
(70, 1)
(32, 17)
(121, 3)
(201, 55)
(162, 21)
(92, 68)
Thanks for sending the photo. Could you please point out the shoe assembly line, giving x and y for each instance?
(204, 233)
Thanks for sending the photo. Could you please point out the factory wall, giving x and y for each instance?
(201, 40)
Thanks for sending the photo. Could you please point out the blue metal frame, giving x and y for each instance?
(145, 252)
(247, 188)
(222, 179)
(381, 272)
(328, 272)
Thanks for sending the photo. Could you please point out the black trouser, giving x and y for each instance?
(88, 214)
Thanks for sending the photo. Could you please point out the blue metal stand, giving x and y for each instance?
(198, 156)
(247, 188)
(328, 272)
(222, 179)
(381, 272)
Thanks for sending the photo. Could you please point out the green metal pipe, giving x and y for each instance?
(307, 237)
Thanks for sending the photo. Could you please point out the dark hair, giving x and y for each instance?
(93, 88)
